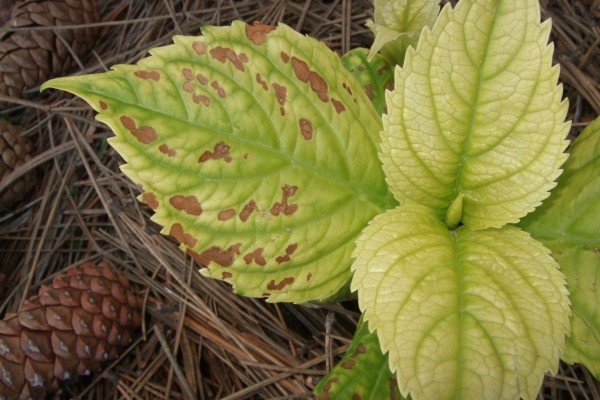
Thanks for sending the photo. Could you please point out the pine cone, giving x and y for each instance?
(82, 319)
(14, 151)
(30, 57)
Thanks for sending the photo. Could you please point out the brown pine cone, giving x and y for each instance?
(84, 318)
(29, 57)
(14, 151)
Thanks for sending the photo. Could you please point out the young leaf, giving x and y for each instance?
(363, 372)
(464, 314)
(397, 25)
(375, 75)
(567, 223)
(477, 112)
(256, 149)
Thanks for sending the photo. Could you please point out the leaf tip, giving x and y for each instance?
(55, 83)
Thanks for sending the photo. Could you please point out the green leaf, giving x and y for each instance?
(581, 266)
(375, 76)
(567, 223)
(362, 373)
(256, 149)
(398, 23)
(464, 314)
(477, 112)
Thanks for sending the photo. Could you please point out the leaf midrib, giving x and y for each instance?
(467, 143)
(382, 201)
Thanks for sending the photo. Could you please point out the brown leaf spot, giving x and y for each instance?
(199, 48)
(279, 286)
(226, 214)
(163, 148)
(103, 105)
(316, 81)
(291, 248)
(153, 75)
(128, 123)
(306, 128)
(345, 86)
(257, 33)
(220, 91)
(187, 74)
(327, 387)
(389, 85)
(256, 256)
(285, 57)
(244, 57)
(356, 397)
(369, 91)
(283, 206)
(283, 259)
(189, 204)
(220, 150)
(309, 276)
(222, 257)
(178, 233)
(226, 275)
(200, 98)
(361, 348)
(300, 69)
(223, 54)
(150, 200)
(339, 106)
(194, 255)
(202, 79)
(247, 210)
(144, 134)
(262, 82)
(280, 93)
(188, 86)
(349, 364)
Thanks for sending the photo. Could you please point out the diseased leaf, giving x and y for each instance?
(397, 25)
(464, 314)
(363, 372)
(375, 76)
(256, 149)
(567, 223)
(477, 112)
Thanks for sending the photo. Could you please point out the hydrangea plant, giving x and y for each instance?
(264, 154)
